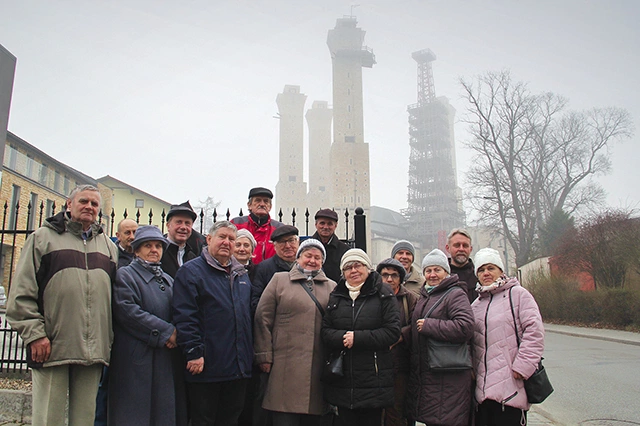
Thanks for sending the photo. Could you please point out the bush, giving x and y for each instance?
(560, 299)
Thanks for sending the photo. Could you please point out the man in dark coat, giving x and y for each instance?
(179, 229)
(125, 234)
(460, 248)
(212, 314)
(286, 242)
(326, 223)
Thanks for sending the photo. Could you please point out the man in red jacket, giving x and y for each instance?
(259, 223)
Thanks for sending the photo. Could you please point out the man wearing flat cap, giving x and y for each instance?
(259, 223)
(179, 229)
(326, 223)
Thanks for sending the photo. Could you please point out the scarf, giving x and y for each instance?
(496, 284)
(354, 291)
(153, 267)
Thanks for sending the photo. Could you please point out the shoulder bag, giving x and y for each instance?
(538, 386)
(447, 356)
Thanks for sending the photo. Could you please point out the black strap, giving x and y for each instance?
(435, 305)
(308, 290)
(406, 310)
(513, 314)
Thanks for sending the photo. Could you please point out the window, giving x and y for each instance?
(48, 210)
(34, 210)
(67, 184)
(13, 157)
(15, 199)
(139, 203)
(349, 138)
(349, 108)
(30, 164)
(57, 181)
(44, 174)
(292, 178)
(322, 188)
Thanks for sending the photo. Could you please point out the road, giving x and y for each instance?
(596, 382)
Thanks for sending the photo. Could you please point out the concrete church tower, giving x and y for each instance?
(349, 152)
(291, 190)
(320, 183)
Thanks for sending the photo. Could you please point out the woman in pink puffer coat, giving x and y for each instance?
(500, 365)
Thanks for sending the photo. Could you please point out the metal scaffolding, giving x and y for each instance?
(434, 198)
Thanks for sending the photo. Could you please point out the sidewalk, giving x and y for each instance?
(626, 337)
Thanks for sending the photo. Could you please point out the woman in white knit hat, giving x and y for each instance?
(502, 359)
(287, 341)
(362, 321)
(442, 314)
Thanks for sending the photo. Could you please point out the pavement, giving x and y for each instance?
(536, 416)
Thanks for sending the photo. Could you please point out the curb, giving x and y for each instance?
(591, 336)
(16, 406)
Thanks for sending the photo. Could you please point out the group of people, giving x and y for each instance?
(236, 327)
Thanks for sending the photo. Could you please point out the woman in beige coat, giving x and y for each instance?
(287, 338)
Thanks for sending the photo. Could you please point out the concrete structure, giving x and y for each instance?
(34, 186)
(387, 227)
(120, 197)
(7, 72)
(320, 183)
(434, 197)
(291, 190)
(349, 152)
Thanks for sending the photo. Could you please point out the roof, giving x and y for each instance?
(388, 223)
(49, 159)
(106, 179)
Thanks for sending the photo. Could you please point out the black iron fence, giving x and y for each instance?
(18, 223)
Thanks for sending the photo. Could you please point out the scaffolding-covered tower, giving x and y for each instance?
(434, 198)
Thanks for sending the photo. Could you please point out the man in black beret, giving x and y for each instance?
(326, 223)
(259, 223)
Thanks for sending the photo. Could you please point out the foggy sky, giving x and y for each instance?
(178, 98)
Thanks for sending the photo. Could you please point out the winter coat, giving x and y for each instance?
(261, 231)
(287, 335)
(263, 274)
(440, 398)
(467, 275)
(415, 280)
(212, 312)
(334, 249)
(124, 257)
(62, 290)
(368, 365)
(401, 350)
(170, 258)
(496, 352)
(141, 379)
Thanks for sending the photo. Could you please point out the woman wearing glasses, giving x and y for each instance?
(363, 321)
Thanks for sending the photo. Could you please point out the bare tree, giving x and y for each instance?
(533, 157)
(205, 212)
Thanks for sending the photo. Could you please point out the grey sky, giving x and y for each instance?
(177, 98)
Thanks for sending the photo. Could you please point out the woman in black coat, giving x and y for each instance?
(141, 388)
(362, 320)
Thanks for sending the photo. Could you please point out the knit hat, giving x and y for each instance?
(311, 243)
(483, 257)
(182, 209)
(248, 235)
(403, 245)
(436, 258)
(392, 263)
(148, 233)
(355, 255)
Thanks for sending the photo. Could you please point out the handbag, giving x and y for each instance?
(447, 356)
(333, 368)
(538, 386)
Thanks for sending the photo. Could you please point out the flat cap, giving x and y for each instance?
(328, 213)
(184, 209)
(260, 191)
(283, 231)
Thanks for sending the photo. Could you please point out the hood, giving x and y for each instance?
(62, 222)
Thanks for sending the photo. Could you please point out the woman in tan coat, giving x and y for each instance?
(287, 338)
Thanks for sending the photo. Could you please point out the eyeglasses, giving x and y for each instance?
(290, 241)
(392, 276)
(355, 265)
